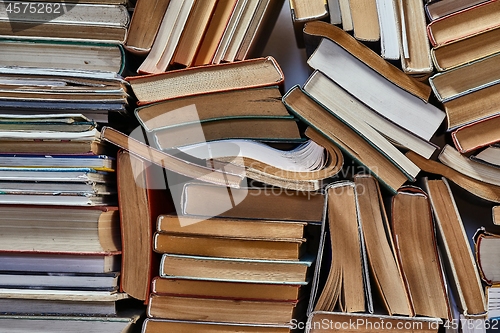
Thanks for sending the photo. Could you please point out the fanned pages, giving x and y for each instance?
(457, 250)
(416, 249)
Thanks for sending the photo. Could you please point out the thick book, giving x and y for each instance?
(389, 29)
(251, 103)
(67, 55)
(260, 72)
(380, 94)
(480, 189)
(470, 77)
(97, 162)
(167, 285)
(457, 251)
(417, 253)
(438, 9)
(486, 245)
(347, 286)
(349, 110)
(274, 204)
(163, 325)
(320, 87)
(141, 200)
(237, 270)
(466, 50)
(229, 247)
(464, 23)
(60, 230)
(365, 20)
(144, 25)
(221, 310)
(303, 11)
(349, 141)
(489, 156)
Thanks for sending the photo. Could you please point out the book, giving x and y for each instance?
(236, 104)
(420, 118)
(59, 302)
(50, 122)
(472, 107)
(68, 175)
(389, 33)
(380, 249)
(67, 281)
(306, 11)
(365, 20)
(265, 129)
(493, 306)
(461, 52)
(489, 156)
(141, 200)
(345, 14)
(367, 56)
(85, 22)
(236, 270)
(71, 324)
(97, 162)
(226, 289)
(167, 161)
(60, 263)
(259, 72)
(77, 231)
(478, 188)
(456, 248)
(200, 199)
(496, 215)
(230, 227)
(56, 188)
(347, 286)
(415, 47)
(349, 141)
(144, 25)
(220, 310)
(334, 11)
(364, 322)
(466, 78)
(67, 55)
(464, 23)
(229, 247)
(437, 9)
(349, 110)
(416, 250)
(486, 244)
(215, 30)
(482, 172)
(160, 325)
(193, 33)
(316, 86)
(476, 135)
(167, 37)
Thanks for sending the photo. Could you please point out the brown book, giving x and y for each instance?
(262, 102)
(261, 72)
(229, 247)
(274, 204)
(345, 285)
(220, 310)
(215, 30)
(437, 9)
(306, 11)
(141, 199)
(466, 50)
(456, 248)
(487, 245)
(193, 32)
(465, 23)
(496, 215)
(380, 249)
(478, 188)
(62, 230)
(144, 25)
(476, 135)
(168, 161)
(236, 270)
(365, 20)
(416, 250)
(54, 147)
(230, 227)
(275, 129)
(472, 107)
(347, 139)
(181, 326)
(225, 289)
